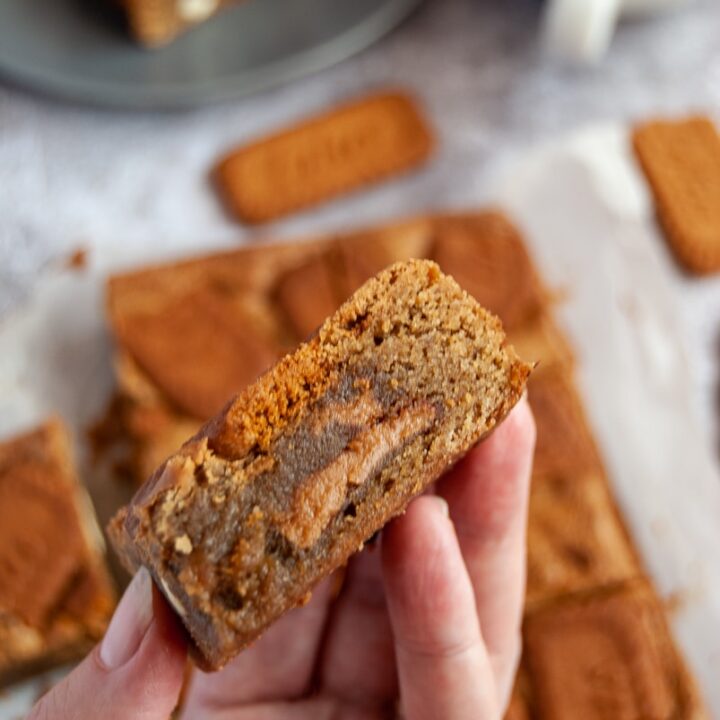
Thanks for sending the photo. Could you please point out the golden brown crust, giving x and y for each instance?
(166, 340)
(607, 655)
(576, 538)
(401, 380)
(338, 151)
(485, 254)
(57, 598)
(681, 160)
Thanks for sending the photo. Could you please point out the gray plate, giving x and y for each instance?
(73, 49)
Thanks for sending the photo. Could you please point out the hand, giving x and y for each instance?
(427, 626)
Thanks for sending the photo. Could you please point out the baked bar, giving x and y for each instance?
(681, 160)
(158, 22)
(607, 655)
(55, 593)
(486, 255)
(576, 538)
(564, 447)
(306, 464)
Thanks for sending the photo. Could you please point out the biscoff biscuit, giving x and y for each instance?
(608, 654)
(333, 153)
(681, 160)
(485, 253)
(577, 540)
(307, 294)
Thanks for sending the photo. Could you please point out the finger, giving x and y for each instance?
(443, 666)
(279, 665)
(488, 497)
(358, 662)
(135, 673)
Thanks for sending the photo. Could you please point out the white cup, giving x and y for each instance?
(581, 30)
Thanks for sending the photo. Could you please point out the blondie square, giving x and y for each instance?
(55, 593)
(576, 539)
(306, 464)
(608, 655)
(486, 255)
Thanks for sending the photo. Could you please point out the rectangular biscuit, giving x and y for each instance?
(485, 253)
(184, 329)
(608, 655)
(55, 593)
(576, 538)
(306, 464)
(365, 253)
(172, 375)
(341, 150)
(681, 160)
(309, 293)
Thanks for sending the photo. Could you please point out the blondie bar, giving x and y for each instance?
(306, 464)
(55, 593)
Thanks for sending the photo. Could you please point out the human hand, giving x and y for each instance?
(428, 626)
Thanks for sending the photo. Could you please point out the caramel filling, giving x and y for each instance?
(322, 495)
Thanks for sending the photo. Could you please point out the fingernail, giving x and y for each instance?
(130, 622)
(442, 505)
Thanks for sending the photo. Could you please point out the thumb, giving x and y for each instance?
(135, 673)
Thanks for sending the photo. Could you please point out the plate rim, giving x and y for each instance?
(177, 96)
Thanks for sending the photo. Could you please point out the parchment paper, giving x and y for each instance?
(586, 213)
(589, 223)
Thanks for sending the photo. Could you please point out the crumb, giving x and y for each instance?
(77, 259)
